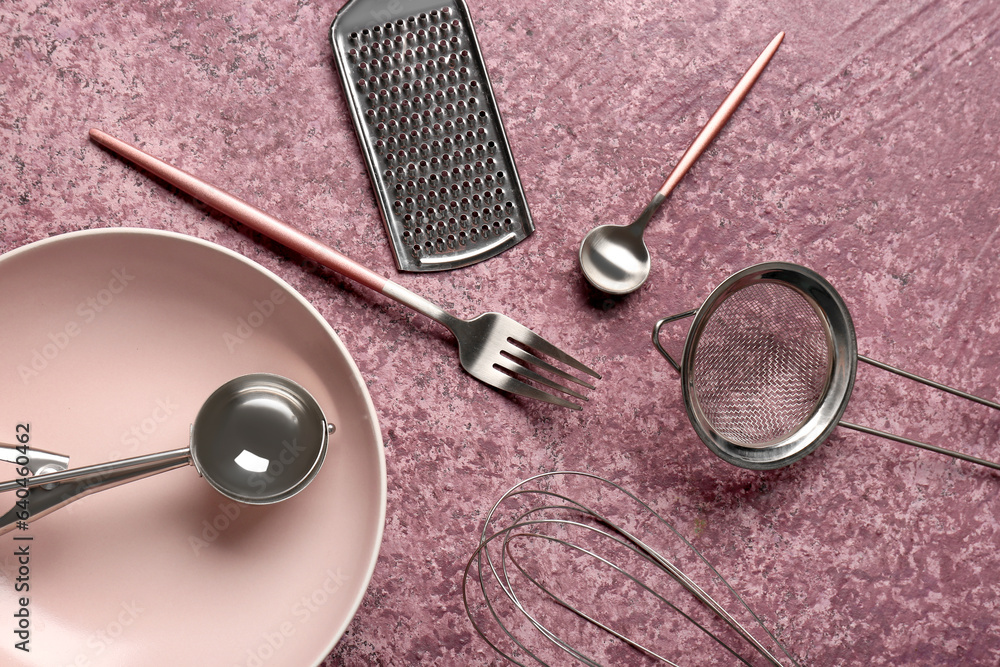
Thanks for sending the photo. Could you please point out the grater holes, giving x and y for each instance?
(435, 133)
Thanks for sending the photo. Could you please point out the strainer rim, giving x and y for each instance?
(842, 343)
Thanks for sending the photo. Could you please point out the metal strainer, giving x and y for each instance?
(769, 365)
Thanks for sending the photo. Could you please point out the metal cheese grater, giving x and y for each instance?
(430, 131)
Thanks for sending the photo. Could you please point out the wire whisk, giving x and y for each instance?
(560, 568)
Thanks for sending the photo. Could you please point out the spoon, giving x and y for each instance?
(258, 439)
(614, 258)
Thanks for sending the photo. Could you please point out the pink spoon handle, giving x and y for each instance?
(721, 116)
(241, 211)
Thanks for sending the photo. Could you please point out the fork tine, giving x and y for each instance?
(539, 344)
(528, 358)
(515, 386)
(523, 371)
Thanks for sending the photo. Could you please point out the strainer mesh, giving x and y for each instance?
(761, 364)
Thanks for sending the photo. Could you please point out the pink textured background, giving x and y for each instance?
(867, 151)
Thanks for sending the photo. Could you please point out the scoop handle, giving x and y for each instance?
(47, 493)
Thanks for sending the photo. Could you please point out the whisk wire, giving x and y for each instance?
(653, 558)
(535, 518)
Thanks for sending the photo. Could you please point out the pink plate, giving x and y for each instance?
(110, 340)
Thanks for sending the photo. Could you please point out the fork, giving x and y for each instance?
(492, 347)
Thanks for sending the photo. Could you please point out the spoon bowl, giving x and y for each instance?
(614, 259)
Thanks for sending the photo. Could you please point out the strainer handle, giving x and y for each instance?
(656, 335)
(917, 443)
(922, 445)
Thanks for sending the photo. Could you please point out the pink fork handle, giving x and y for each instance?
(249, 215)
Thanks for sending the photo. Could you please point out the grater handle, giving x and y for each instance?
(245, 213)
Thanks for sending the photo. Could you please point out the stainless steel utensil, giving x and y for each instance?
(37, 461)
(258, 439)
(614, 258)
(492, 347)
(430, 131)
(518, 564)
(769, 365)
